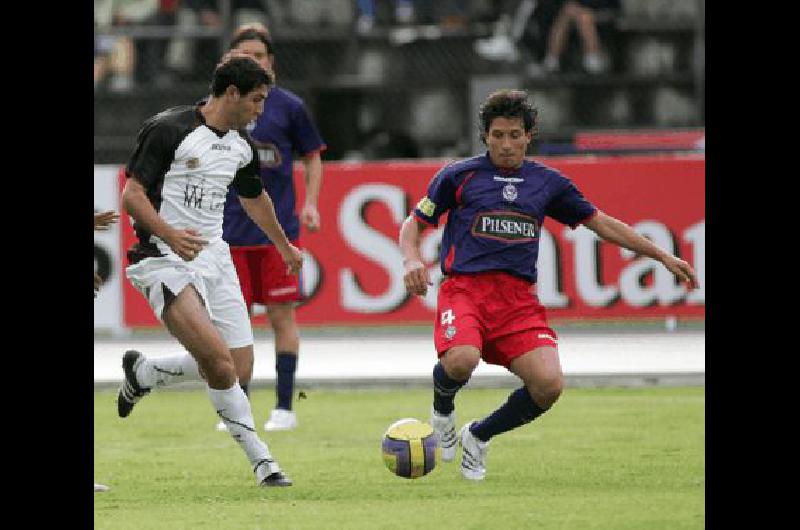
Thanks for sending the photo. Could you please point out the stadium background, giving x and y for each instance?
(395, 101)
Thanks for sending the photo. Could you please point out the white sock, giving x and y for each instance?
(163, 371)
(233, 407)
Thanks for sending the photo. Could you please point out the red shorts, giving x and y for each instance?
(496, 312)
(262, 276)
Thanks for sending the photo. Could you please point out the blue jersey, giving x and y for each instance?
(496, 215)
(282, 129)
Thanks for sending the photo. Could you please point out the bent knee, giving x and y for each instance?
(546, 393)
(220, 372)
(461, 361)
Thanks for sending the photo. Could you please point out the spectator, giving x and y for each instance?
(582, 13)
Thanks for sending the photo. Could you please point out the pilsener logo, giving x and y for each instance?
(506, 226)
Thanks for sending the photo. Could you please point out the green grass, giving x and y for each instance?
(601, 458)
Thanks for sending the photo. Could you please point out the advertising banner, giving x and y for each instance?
(353, 273)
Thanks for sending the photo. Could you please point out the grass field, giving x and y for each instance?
(602, 458)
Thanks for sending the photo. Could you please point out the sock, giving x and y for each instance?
(444, 390)
(233, 408)
(285, 366)
(163, 371)
(517, 411)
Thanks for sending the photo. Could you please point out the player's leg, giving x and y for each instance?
(243, 361)
(541, 374)
(280, 292)
(287, 344)
(188, 321)
(458, 340)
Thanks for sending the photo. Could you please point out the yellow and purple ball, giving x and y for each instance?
(410, 448)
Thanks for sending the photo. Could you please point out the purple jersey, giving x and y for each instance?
(495, 215)
(282, 129)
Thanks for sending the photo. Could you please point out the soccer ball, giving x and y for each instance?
(410, 448)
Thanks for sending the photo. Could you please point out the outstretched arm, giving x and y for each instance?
(416, 275)
(615, 231)
(262, 212)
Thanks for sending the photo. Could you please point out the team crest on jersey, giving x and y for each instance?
(193, 163)
(268, 155)
(512, 227)
(509, 192)
(450, 332)
(426, 206)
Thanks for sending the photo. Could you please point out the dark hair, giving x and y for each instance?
(242, 72)
(508, 103)
(252, 33)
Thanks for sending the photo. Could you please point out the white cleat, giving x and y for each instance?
(221, 427)
(473, 456)
(100, 487)
(445, 429)
(281, 420)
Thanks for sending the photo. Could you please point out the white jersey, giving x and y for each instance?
(186, 168)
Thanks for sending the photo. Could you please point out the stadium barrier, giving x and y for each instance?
(353, 272)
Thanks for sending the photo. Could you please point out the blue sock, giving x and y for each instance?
(444, 390)
(285, 366)
(517, 411)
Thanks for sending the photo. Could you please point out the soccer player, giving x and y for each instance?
(284, 128)
(102, 222)
(186, 158)
(487, 306)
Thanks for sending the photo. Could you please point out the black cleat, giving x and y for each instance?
(277, 479)
(130, 392)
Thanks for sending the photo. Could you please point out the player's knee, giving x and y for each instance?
(461, 362)
(547, 392)
(220, 372)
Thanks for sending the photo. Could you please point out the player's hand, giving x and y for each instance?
(103, 220)
(98, 281)
(682, 270)
(186, 243)
(293, 258)
(416, 277)
(310, 217)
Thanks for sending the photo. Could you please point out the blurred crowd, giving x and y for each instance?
(136, 40)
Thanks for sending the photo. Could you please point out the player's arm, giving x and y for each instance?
(312, 172)
(416, 275)
(262, 212)
(185, 243)
(616, 231)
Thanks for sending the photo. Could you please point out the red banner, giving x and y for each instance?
(354, 273)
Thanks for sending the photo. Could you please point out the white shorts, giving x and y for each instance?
(213, 275)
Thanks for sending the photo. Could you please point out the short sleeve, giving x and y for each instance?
(441, 197)
(247, 181)
(568, 205)
(154, 152)
(304, 134)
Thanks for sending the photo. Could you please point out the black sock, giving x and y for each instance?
(285, 366)
(518, 410)
(444, 390)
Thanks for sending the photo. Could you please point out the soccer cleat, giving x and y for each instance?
(445, 429)
(269, 475)
(130, 392)
(473, 455)
(100, 487)
(281, 420)
(277, 479)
